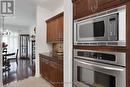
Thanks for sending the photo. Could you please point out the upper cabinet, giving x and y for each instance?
(55, 29)
(82, 8)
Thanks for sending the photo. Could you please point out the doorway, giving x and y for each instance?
(14, 67)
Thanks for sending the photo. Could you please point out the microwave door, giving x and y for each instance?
(85, 31)
(92, 30)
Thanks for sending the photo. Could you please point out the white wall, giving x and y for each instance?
(41, 45)
(18, 28)
(41, 33)
(31, 30)
(68, 43)
(57, 11)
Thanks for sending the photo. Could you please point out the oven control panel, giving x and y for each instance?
(96, 55)
(117, 58)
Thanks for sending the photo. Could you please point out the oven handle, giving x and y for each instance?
(101, 66)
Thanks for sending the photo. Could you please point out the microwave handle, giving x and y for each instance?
(101, 66)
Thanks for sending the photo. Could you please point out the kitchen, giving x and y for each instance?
(84, 43)
(106, 49)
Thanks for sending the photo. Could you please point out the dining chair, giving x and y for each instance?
(4, 50)
(14, 58)
(6, 63)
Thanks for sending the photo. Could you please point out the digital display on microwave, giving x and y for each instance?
(99, 29)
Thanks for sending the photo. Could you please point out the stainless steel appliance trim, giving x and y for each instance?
(120, 57)
(118, 72)
(98, 43)
(108, 67)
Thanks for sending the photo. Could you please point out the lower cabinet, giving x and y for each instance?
(52, 72)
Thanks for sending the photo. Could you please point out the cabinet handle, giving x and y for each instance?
(53, 64)
(96, 5)
(123, 0)
(75, 1)
(46, 61)
(93, 5)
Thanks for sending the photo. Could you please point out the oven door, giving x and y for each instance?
(92, 74)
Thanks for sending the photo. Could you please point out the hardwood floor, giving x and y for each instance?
(23, 70)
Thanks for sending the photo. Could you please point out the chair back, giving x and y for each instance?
(4, 50)
(17, 55)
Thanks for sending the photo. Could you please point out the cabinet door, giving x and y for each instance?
(55, 30)
(108, 4)
(59, 29)
(46, 69)
(80, 8)
(53, 73)
(56, 76)
(84, 8)
(60, 78)
(41, 67)
(50, 28)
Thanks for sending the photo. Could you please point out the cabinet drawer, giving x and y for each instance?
(54, 64)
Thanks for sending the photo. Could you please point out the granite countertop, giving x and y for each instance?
(52, 57)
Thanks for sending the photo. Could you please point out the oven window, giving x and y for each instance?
(94, 78)
(99, 29)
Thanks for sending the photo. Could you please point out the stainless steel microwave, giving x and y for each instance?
(108, 26)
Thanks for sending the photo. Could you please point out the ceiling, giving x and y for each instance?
(25, 11)
(49, 4)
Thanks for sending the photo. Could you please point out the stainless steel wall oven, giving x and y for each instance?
(99, 69)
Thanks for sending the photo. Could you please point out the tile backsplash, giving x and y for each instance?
(58, 48)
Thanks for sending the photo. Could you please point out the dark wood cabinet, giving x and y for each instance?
(108, 4)
(49, 31)
(51, 71)
(82, 8)
(44, 70)
(56, 74)
(55, 29)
